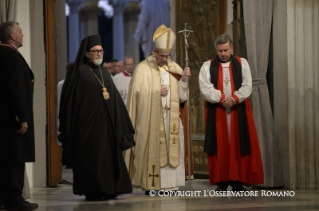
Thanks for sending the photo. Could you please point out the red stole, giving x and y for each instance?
(229, 164)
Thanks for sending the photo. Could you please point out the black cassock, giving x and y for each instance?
(99, 126)
(16, 107)
(16, 94)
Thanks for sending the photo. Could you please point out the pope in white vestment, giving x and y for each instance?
(156, 90)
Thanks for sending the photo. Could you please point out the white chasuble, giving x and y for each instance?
(171, 177)
(157, 160)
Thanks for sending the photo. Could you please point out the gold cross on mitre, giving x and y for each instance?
(174, 132)
(153, 175)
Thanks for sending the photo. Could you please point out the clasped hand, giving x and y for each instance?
(164, 90)
(23, 129)
(228, 102)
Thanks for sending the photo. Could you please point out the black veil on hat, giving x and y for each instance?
(67, 96)
(86, 44)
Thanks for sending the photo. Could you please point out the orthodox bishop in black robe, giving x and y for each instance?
(95, 126)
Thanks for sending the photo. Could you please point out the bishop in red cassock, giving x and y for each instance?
(231, 139)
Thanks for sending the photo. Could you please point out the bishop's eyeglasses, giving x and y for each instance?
(97, 51)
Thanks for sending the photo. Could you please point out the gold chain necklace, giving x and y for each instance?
(105, 93)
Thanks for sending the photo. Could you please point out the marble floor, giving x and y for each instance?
(200, 197)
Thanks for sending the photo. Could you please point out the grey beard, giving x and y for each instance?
(97, 62)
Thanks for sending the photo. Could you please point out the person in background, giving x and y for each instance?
(17, 144)
(108, 65)
(119, 67)
(122, 79)
(114, 61)
(65, 162)
(153, 14)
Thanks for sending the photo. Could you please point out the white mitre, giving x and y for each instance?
(164, 39)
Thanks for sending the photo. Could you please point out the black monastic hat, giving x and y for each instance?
(92, 41)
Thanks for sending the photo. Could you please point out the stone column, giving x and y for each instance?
(73, 29)
(118, 29)
(296, 90)
(131, 11)
(173, 27)
(89, 14)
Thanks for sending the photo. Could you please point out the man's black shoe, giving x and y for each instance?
(110, 196)
(238, 188)
(1, 205)
(100, 197)
(32, 204)
(219, 188)
(23, 206)
(147, 193)
(94, 198)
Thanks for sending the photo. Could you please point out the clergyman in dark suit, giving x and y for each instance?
(16, 118)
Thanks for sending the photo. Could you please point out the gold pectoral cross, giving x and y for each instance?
(226, 81)
(174, 133)
(105, 93)
(150, 175)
